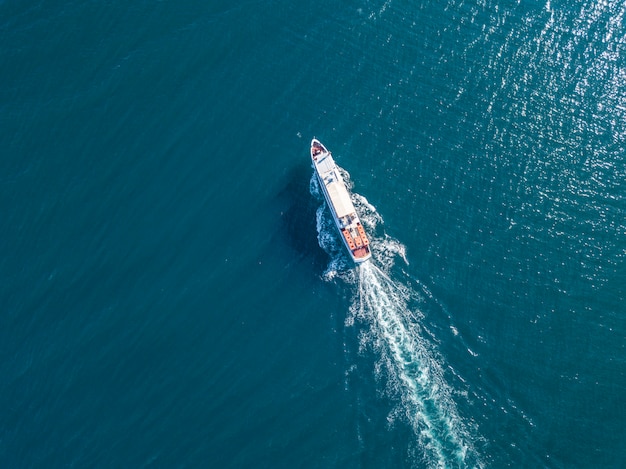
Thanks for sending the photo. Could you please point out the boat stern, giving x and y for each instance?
(361, 255)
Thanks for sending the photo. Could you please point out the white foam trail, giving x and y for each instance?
(412, 361)
(408, 359)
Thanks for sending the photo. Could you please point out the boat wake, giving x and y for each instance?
(386, 302)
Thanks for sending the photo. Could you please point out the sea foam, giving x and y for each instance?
(386, 301)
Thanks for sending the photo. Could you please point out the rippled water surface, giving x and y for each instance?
(174, 293)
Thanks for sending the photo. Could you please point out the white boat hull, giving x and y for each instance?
(341, 207)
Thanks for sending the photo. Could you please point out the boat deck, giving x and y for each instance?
(341, 205)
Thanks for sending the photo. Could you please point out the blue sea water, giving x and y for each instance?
(173, 292)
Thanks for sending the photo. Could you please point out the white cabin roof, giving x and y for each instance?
(339, 196)
(340, 199)
(325, 164)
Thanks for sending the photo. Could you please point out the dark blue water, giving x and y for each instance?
(173, 293)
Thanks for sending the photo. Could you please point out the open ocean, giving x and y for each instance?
(173, 292)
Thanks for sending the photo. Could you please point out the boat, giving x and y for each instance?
(341, 207)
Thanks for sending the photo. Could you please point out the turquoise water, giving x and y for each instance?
(174, 295)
